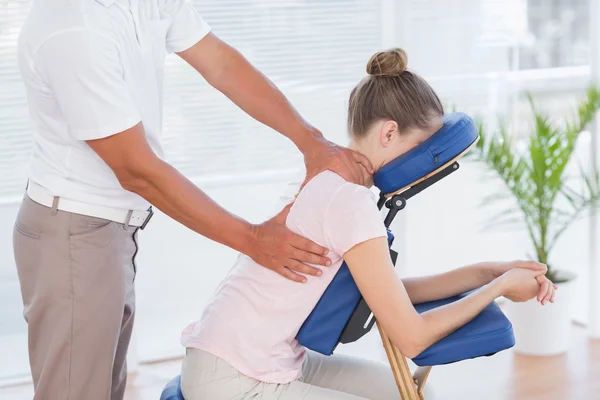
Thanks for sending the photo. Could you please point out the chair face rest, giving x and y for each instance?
(458, 132)
(487, 334)
(172, 390)
(322, 329)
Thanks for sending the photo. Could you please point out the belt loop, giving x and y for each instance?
(128, 219)
(54, 209)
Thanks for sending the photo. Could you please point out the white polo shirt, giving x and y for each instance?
(94, 68)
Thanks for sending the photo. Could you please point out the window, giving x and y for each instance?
(559, 34)
(15, 125)
(314, 51)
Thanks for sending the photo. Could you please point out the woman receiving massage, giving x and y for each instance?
(244, 345)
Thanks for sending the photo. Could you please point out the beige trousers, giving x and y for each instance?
(337, 377)
(77, 283)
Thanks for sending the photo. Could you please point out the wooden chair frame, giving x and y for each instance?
(410, 385)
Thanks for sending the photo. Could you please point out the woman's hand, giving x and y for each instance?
(546, 291)
(546, 287)
(520, 284)
(496, 269)
(321, 155)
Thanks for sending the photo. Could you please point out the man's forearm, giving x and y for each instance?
(172, 193)
(448, 284)
(260, 98)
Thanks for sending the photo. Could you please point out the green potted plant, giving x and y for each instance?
(536, 169)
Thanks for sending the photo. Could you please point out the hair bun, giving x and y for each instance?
(392, 62)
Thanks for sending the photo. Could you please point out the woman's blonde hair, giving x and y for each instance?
(391, 92)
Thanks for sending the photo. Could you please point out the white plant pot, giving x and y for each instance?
(544, 330)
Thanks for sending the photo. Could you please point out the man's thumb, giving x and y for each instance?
(282, 215)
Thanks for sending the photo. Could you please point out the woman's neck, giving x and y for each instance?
(368, 178)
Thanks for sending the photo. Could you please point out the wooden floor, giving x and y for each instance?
(505, 376)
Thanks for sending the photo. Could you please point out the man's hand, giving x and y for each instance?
(283, 251)
(271, 243)
(323, 155)
(140, 171)
(229, 72)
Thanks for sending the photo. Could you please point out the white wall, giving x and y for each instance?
(445, 228)
(13, 341)
(178, 269)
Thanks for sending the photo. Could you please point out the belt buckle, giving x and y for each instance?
(148, 218)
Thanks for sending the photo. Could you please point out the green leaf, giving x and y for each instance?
(536, 178)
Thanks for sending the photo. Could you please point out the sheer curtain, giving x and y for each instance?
(14, 117)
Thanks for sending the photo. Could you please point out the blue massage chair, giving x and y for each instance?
(343, 316)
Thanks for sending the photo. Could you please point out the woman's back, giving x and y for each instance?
(253, 318)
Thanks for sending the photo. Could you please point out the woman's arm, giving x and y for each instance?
(411, 332)
(461, 280)
(447, 284)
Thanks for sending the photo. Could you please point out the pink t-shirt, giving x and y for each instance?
(253, 317)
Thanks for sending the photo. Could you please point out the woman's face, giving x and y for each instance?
(384, 143)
